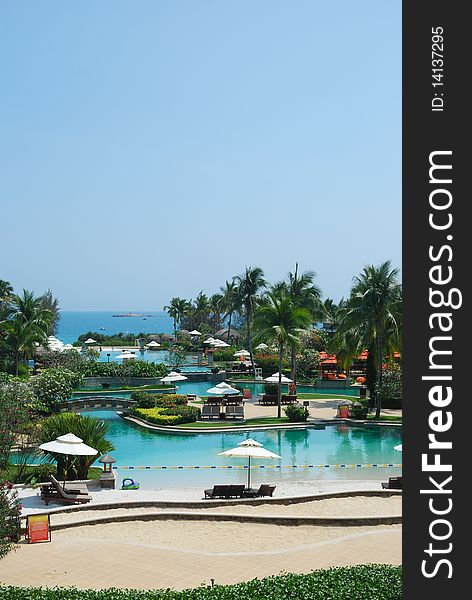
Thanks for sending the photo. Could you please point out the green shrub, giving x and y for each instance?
(359, 410)
(39, 473)
(171, 400)
(269, 363)
(138, 368)
(362, 582)
(390, 392)
(296, 413)
(271, 389)
(143, 399)
(172, 415)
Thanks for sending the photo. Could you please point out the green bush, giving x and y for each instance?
(172, 415)
(271, 389)
(139, 368)
(362, 582)
(390, 392)
(269, 363)
(296, 413)
(359, 410)
(145, 400)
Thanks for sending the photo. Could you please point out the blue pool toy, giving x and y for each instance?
(129, 484)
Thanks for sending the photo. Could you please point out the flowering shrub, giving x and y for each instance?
(55, 385)
(390, 392)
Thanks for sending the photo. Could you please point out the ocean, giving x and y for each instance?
(74, 323)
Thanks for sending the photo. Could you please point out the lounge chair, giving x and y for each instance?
(234, 412)
(218, 491)
(394, 483)
(236, 491)
(75, 493)
(210, 411)
(288, 398)
(264, 490)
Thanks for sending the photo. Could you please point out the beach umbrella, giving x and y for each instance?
(242, 353)
(275, 379)
(345, 403)
(261, 347)
(153, 344)
(90, 341)
(126, 355)
(210, 340)
(221, 389)
(69, 445)
(195, 332)
(250, 449)
(173, 376)
(398, 448)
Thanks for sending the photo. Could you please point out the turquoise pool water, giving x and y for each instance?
(155, 356)
(200, 388)
(336, 444)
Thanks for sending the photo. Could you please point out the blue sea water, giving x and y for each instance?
(74, 323)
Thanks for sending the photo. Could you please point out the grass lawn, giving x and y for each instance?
(318, 396)
(11, 473)
(392, 418)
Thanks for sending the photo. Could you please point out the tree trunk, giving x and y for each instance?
(229, 326)
(378, 400)
(293, 361)
(249, 340)
(279, 388)
(17, 360)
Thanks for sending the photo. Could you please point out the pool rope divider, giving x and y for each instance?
(334, 466)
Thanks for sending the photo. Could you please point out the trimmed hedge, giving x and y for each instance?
(172, 415)
(365, 582)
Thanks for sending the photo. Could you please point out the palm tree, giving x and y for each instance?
(279, 320)
(177, 309)
(6, 293)
(371, 317)
(201, 307)
(28, 323)
(249, 284)
(305, 294)
(49, 302)
(231, 302)
(216, 307)
(91, 430)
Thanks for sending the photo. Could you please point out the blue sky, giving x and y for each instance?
(153, 149)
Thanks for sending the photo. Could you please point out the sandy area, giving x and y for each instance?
(32, 503)
(182, 554)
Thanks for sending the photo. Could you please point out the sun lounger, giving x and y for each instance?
(236, 491)
(211, 411)
(234, 412)
(218, 491)
(394, 483)
(288, 398)
(264, 490)
(73, 494)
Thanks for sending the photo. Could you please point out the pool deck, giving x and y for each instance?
(143, 547)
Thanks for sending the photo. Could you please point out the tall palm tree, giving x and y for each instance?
(231, 302)
(49, 302)
(305, 294)
(250, 283)
(279, 320)
(177, 309)
(28, 323)
(372, 315)
(216, 308)
(201, 307)
(6, 293)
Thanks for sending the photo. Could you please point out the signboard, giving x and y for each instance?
(38, 529)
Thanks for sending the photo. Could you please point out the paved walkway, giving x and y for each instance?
(179, 554)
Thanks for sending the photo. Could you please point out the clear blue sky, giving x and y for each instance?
(152, 149)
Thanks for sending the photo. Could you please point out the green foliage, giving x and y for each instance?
(168, 414)
(224, 355)
(145, 400)
(360, 410)
(362, 582)
(296, 413)
(10, 509)
(269, 363)
(271, 389)
(91, 430)
(69, 359)
(308, 364)
(390, 391)
(139, 368)
(55, 385)
(18, 407)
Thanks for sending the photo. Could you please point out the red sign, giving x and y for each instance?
(38, 529)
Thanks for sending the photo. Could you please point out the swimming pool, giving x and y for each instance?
(333, 445)
(200, 388)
